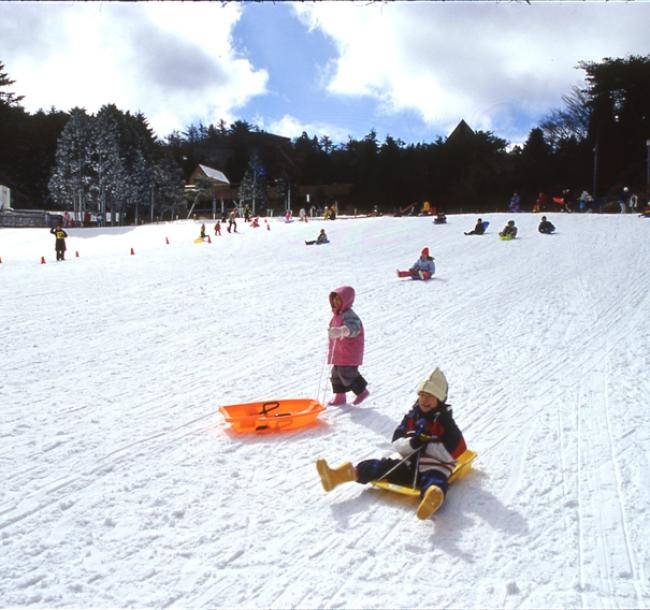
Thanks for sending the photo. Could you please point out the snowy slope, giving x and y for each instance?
(121, 485)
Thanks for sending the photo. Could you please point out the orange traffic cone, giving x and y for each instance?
(42, 260)
(132, 252)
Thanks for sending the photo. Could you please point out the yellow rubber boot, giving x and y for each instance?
(331, 477)
(431, 502)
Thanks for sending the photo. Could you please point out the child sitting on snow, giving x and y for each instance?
(429, 443)
(423, 268)
(321, 239)
(346, 342)
(509, 231)
(479, 229)
(546, 226)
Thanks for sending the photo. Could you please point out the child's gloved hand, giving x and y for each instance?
(338, 332)
(420, 440)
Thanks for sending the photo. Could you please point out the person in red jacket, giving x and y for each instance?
(429, 443)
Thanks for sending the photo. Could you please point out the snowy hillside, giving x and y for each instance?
(122, 486)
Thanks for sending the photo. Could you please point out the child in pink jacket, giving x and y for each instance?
(346, 339)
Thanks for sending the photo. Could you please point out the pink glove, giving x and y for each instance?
(338, 332)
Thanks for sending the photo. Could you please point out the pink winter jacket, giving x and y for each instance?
(347, 351)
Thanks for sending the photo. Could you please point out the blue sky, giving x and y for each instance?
(408, 69)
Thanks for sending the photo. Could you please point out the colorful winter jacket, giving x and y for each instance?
(446, 446)
(425, 263)
(347, 351)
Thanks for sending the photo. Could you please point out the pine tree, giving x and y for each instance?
(7, 97)
(71, 180)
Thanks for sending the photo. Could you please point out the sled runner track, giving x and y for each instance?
(77, 482)
(545, 343)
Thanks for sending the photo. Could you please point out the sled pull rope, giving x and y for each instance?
(409, 456)
(266, 410)
(322, 372)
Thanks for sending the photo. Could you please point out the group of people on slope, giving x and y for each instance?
(510, 230)
(427, 439)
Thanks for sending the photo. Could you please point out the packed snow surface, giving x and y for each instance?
(121, 485)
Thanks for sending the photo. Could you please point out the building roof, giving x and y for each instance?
(462, 131)
(214, 174)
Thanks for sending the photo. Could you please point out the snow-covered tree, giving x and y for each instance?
(72, 178)
(252, 188)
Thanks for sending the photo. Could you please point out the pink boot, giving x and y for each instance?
(339, 399)
(361, 397)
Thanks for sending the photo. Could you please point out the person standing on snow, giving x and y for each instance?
(427, 439)
(345, 350)
(232, 222)
(59, 242)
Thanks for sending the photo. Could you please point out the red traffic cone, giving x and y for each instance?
(42, 260)
(132, 252)
(209, 240)
(167, 240)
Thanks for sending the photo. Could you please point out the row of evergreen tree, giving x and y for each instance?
(112, 161)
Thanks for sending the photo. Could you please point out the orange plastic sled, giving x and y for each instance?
(272, 415)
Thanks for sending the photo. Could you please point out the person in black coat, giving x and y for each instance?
(545, 226)
(479, 229)
(59, 243)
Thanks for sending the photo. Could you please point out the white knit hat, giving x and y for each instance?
(435, 384)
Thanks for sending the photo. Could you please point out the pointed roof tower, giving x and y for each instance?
(462, 132)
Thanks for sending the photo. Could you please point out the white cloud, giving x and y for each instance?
(173, 61)
(485, 62)
(291, 127)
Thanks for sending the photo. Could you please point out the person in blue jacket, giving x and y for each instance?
(423, 269)
(321, 239)
(429, 443)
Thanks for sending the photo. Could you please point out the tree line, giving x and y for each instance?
(111, 161)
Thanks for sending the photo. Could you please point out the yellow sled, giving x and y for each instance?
(463, 466)
(198, 240)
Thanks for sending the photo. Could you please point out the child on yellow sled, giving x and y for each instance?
(428, 441)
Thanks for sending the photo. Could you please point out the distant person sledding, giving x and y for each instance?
(440, 219)
(480, 228)
(255, 222)
(509, 231)
(321, 239)
(546, 226)
(288, 216)
(423, 269)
